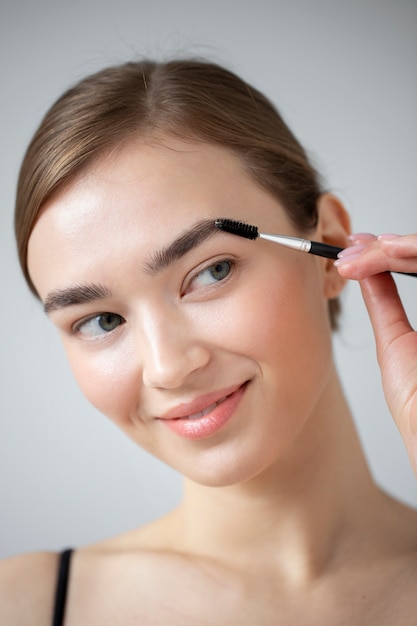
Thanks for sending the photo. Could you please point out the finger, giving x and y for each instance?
(362, 260)
(387, 314)
(399, 247)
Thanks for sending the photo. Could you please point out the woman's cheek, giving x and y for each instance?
(106, 378)
(294, 335)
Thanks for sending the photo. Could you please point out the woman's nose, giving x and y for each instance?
(171, 352)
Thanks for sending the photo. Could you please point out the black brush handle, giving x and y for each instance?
(324, 249)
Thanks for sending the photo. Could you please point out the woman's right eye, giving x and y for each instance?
(98, 325)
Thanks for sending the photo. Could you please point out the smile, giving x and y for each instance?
(204, 412)
(206, 416)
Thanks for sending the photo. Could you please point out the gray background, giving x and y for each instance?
(344, 75)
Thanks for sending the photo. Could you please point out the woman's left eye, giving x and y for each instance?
(212, 274)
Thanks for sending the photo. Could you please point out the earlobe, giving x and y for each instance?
(333, 227)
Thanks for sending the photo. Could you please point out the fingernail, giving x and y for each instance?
(361, 237)
(388, 236)
(351, 251)
(348, 254)
(345, 260)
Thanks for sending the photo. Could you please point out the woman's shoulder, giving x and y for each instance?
(27, 586)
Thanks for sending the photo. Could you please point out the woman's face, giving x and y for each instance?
(209, 350)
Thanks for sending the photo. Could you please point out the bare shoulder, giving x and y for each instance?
(27, 586)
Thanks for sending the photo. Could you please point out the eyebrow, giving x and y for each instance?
(184, 243)
(189, 239)
(79, 294)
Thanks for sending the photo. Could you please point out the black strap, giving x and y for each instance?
(62, 587)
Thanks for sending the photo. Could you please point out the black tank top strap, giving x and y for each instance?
(62, 587)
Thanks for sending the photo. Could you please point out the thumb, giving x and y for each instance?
(385, 309)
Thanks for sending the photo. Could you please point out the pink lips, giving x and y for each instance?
(205, 416)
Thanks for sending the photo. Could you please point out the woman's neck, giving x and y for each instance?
(319, 492)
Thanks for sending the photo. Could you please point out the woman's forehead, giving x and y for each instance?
(147, 181)
(138, 198)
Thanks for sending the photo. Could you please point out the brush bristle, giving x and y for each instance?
(237, 228)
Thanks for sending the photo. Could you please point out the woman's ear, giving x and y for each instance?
(333, 227)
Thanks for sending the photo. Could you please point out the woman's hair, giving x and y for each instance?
(190, 99)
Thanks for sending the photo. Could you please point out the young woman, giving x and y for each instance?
(213, 353)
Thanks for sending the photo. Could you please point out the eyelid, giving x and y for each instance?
(75, 328)
(207, 265)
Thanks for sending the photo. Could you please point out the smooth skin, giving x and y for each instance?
(280, 522)
(368, 260)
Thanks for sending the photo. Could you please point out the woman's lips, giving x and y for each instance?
(205, 416)
(204, 412)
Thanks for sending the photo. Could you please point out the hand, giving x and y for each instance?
(369, 260)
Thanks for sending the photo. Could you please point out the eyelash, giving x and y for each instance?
(83, 324)
(216, 264)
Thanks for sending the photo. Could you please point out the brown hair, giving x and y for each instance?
(191, 99)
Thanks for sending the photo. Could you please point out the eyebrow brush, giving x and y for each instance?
(304, 245)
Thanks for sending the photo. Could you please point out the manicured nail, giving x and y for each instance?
(388, 236)
(348, 254)
(361, 237)
(351, 251)
(345, 260)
